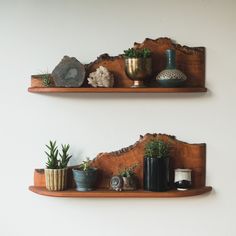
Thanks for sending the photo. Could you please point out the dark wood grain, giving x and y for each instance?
(104, 193)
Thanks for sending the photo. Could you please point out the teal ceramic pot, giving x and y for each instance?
(171, 77)
(85, 180)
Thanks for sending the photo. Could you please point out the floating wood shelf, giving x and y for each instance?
(190, 60)
(124, 194)
(116, 90)
(185, 155)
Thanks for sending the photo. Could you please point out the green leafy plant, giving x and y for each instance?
(157, 148)
(85, 165)
(137, 53)
(47, 80)
(129, 171)
(65, 157)
(53, 162)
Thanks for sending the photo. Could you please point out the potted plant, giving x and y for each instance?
(56, 168)
(156, 166)
(129, 178)
(85, 176)
(138, 65)
(47, 80)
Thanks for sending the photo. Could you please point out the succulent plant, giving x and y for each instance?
(65, 157)
(47, 80)
(53, 162)
(129, 171)
(137, 53)
(157, 148)
(85, 165)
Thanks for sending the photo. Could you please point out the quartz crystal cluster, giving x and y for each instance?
(101, 78)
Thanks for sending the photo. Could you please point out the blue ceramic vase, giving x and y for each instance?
(171, 77)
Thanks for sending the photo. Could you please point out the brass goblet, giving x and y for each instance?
(138, 69)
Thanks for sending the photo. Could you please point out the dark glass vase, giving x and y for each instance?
(156, 174)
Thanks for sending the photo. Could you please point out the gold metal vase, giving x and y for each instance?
(138, 69)
(56, 179)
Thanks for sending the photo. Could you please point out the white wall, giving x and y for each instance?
(35, 35)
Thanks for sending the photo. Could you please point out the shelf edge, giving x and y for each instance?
(116, 90)
(113, 194)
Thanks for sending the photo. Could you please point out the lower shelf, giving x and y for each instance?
(117, 90)
(113, 194)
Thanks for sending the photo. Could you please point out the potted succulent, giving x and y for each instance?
(156, 166)
(47, 80)
(129, 178)
(85, 176)
(138, 65)
(56, 168)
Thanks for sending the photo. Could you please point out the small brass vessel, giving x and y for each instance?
(138, 69)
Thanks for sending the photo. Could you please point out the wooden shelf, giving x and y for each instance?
(116, 90)
(113, 194)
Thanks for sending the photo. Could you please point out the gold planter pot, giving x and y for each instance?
(56, 179)
(138, 69)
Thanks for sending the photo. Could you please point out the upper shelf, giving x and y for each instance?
(116, 90)
(190, 60)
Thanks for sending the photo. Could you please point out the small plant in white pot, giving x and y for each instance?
(56, 168)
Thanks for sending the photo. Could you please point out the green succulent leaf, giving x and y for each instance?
(137, 53)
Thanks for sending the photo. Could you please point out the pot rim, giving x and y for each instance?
(183, 170)
(56, 169)
(89, 170)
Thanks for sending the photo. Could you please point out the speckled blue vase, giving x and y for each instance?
(171, 77)
(85, 180)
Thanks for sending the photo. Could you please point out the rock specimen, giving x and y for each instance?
(69, 73)
(101, 78)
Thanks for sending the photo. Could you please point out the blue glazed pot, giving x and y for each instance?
(85, 180)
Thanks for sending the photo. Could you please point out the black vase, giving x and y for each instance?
(156, 174)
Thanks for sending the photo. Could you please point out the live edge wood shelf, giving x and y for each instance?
(190, 60)
(183, 155)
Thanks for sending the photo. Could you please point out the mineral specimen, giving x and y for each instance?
(101, 78)
(69, 73)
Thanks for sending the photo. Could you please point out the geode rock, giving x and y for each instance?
(69, 73)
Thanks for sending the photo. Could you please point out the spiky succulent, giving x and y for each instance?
(47, 81)
(53, 162)
(137, 53)
(129, 171)
(65, 157)
(157, 148)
